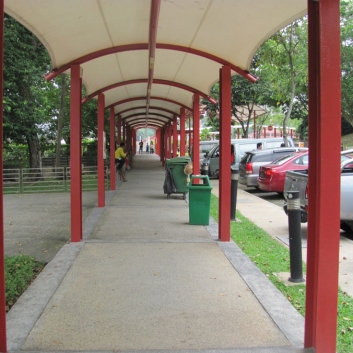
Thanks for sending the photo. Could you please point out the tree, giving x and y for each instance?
(283, 61)
(347, 59)
(26, 106)
(244, 95)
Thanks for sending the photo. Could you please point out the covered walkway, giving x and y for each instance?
(143, 279)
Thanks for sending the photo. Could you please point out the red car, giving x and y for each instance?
(271, 176)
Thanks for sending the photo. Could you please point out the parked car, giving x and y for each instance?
(298, 181)
(250, 165)
(241, 146)
(272, 176)
(205, 148)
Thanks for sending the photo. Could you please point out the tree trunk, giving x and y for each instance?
(60, 121)
(35, 156)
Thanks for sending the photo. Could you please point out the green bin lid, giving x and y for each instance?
(183, 159)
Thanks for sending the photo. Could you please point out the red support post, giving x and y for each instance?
(189, 149)
(112, 149)
(100, 152)
(225, 155)
(182, 131)
(196, 135)
(324, 170)
(133, 147)
(161, 146)
(75, 154)
(119, 129)
(170, 132)
(3, 344)
(175, 136)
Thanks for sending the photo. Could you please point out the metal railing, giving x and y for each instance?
(46, 180)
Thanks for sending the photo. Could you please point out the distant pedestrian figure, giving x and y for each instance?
(147, 148)
(232, 154)
(141, 147)
(151, 147)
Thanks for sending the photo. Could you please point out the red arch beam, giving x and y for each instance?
(143, 107)
(144, 98)
(144, 114)
(144, 46)
(155, 81)
(143, 123)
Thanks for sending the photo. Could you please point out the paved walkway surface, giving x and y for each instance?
(142, 280)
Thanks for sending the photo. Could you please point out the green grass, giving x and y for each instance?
(347, 141)
(20, 271)
(272, 257)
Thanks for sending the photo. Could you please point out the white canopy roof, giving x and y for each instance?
(173, 47)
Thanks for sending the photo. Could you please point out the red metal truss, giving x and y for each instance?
(144, 98)
(155, 81)
(143, 107)
(144, 46)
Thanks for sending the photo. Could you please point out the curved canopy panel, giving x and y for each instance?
(179, 41)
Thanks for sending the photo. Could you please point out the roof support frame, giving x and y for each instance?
(144, 46)
(155, 81)
(144, 98)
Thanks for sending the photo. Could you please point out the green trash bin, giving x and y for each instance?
(200, 201)
(176, 166)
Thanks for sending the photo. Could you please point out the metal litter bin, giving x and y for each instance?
(176, 167)
(200, 200)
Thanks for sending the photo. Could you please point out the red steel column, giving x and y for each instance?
(3, 345)
(75, 154)
(161, 145)
(112, 150)
(119, 130)
(124, 132)
(170, 129)
(133, 143)
(196, 135)
(189, 148)
(324, 170)
(157, 143)
(175, 136)
(165, 147)
(225, 173)
(182, 131)
(101, 186)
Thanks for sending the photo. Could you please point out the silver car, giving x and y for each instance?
(250, 164)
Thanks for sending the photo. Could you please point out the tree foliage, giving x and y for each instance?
(32, 105)
(347, 59)
(26, 104)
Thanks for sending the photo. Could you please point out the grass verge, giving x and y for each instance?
(20, 271)
(271, 257)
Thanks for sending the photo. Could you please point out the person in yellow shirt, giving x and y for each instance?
(120, 159)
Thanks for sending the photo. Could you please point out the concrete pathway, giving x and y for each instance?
(144, 280)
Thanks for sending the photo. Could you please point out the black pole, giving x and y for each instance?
(295, 237)
(234, 192)
(204, 171)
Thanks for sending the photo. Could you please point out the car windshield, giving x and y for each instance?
(212, 150)
(345, 157)
(283, 160)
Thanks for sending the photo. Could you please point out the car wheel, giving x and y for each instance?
(216, 174)
(346, 227)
